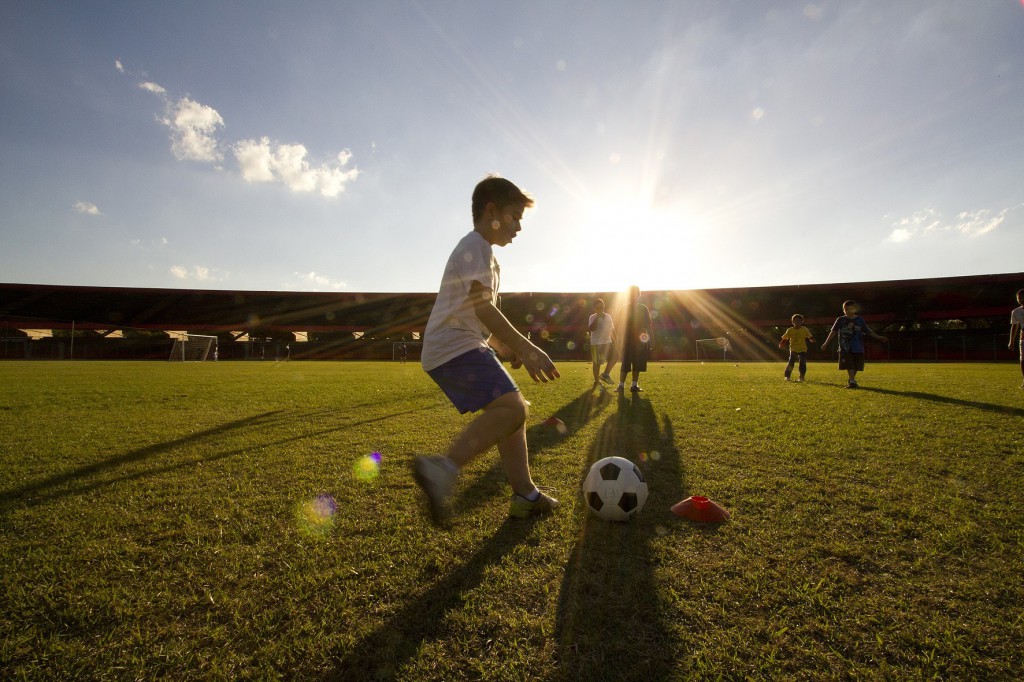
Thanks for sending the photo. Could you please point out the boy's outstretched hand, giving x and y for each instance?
(538, 365)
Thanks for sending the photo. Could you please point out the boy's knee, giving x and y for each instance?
(514, 405)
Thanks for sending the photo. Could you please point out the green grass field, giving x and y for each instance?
(155, 523)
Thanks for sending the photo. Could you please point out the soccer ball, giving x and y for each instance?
(615, 489)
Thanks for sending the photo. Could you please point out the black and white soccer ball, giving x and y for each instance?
(615, 489)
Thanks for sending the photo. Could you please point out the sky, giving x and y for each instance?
(334, 146)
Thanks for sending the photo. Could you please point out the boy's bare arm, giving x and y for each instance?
(828, 340)
(537, 363)
(1014, 330)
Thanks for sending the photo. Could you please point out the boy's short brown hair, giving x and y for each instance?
(797, 318)
(499, 191)
(852, 305)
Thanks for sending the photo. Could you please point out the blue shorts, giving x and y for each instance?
(848, 360)
(473, 380)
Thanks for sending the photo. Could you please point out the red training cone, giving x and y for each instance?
(557, 424)
(700, 509)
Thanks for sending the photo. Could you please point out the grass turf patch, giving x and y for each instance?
(157, 520)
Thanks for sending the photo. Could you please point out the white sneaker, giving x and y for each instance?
(523, 508)
(437, 481)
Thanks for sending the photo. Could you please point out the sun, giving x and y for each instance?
(624, 240)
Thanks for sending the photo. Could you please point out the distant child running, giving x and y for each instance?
(851, 330)
(461, 343)
(797, 337)
(1016, 324)
(602, 335)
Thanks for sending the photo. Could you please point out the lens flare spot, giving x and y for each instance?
(571, 345)
(315, 517)
(367, 468)
(644, 338)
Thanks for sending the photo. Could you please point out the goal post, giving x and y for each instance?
(194, 348)
(706, 348)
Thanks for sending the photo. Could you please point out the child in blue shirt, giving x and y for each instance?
(851, 329)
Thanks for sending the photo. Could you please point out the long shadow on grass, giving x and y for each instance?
(610, 624)
(381, 653)
(575, 414)
(77, 481)
(988, 407)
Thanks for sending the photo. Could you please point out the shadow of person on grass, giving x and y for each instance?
(610, 624)
(949, 400)
(161, 458)
(381, 653)
(575, 414)
(33, 493)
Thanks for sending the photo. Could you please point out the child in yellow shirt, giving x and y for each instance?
(797, 336)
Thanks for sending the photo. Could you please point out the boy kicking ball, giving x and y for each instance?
(461, 343)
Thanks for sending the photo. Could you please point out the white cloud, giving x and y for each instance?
(87, 208)
(900, 235)
(317, 281)
(119, 66)
(149, 244)
(977, 223)
(929, 220)
(193, 131)
(260, 161)
(199, 273)
(194, 127)
(254, 160)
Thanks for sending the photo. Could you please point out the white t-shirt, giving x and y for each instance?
(453, 327)
(602, 333)
(1017, 317)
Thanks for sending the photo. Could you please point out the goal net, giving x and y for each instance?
(412, 350)
(194, 348)
(712, 349)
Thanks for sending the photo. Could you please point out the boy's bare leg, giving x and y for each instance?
(515, 460)
(502, 418)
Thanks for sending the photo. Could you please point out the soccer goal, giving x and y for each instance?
(412, 350)
(194, 348)
(708, 349)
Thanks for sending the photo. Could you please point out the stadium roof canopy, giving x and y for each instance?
(381, 314)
